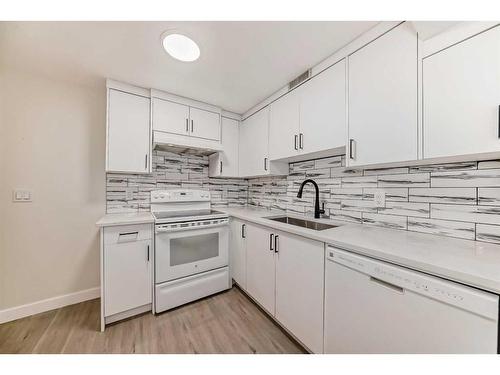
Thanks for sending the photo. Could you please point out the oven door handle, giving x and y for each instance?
(159, 229)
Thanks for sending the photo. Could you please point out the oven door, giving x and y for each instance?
(187, 252)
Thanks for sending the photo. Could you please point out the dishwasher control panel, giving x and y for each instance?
(482, 303)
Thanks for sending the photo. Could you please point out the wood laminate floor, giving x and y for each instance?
(225, 323)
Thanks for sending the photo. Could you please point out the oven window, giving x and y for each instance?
(194, 248)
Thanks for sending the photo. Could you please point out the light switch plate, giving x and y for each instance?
(379, 198)
(22, 195)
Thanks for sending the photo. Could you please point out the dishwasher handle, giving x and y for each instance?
(387, 285)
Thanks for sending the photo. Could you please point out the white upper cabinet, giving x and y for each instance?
(204, 124)
(170, 117)
(253, 152)
(225, 163)
(311, 118)
(185, 120)
(128, 133)
(323, 110)
(284, 126)
(382, 80)
(253, 147)
(461, 91)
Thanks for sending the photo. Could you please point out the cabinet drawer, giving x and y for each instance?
(127, 233)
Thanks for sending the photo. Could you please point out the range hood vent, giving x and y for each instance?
(301, 78)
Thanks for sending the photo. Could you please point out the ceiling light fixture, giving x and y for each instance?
(181, 47)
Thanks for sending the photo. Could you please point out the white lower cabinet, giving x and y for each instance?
(285, 274)
(260, 266)
(299, 288)
(126, 266)
(238, 252)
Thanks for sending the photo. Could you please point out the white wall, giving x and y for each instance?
(52, 140)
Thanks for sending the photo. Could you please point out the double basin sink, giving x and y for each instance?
(314, 225)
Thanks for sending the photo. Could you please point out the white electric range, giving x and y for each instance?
(191, 247)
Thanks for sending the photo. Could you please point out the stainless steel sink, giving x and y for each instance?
(302, 223)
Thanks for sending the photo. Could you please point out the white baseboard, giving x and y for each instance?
(48, 304)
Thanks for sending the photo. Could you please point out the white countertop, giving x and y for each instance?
(469, 262)
(125, 219)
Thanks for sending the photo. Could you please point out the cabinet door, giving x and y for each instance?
(299, 288)
(237, 252)
(127, 276)
(230, 141)
(383, 99)
(284, 126)
(260, 267)
(170, 117)
(204, 124)
(253, 152)
(129, 133)
(323, 110)
(462, 97)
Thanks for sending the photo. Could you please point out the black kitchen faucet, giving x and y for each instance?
(317, 210)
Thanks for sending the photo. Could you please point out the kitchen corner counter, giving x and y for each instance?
(469, 262)
(128, 218)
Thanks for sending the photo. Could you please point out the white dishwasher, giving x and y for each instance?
(376, 307)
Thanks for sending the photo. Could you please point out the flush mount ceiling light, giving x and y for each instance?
(181, 47)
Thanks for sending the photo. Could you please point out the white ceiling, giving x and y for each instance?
(241, 63)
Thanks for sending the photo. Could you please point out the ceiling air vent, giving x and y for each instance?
(297, 81)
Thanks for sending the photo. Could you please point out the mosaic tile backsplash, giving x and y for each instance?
(131, 192)
(457, 200)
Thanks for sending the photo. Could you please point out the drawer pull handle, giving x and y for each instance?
(128, 236)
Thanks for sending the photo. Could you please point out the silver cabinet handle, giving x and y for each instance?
(276, 243)
(146, 162)
(352, 150)
(271, 239)
(187, 125)
(301, 141)
(192, 125)
(265, 164)
(221, 166)
(243, 234)
(295, 142)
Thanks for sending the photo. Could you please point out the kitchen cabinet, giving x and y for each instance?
(260, 266)
(382, 87)
(170, 117)
(238, 252)
(126, 268)
(284, 126)
(181, 119)
(254, 147)
(225, 163)
(311, 118)
(299, 288)
(323, 110)
(205, 124)
(128, 143)
(284, 274)
(461, 97)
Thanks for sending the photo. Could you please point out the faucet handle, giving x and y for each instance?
(322, 211)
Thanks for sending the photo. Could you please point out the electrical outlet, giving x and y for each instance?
(379, 198)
